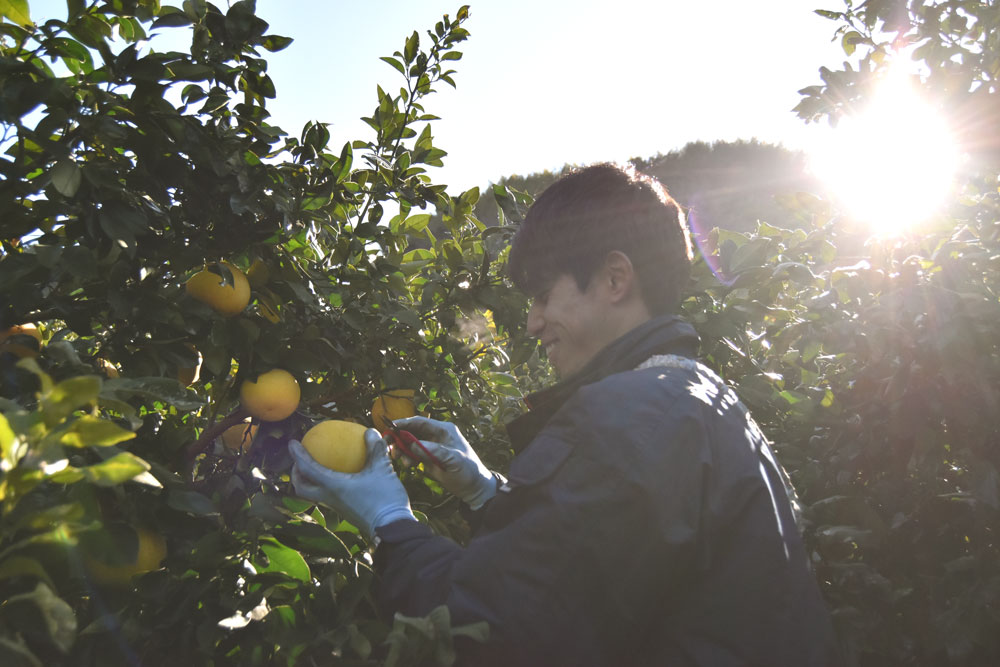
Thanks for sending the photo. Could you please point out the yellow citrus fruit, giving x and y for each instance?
(151, 549)
(226, 299)
(337, 444)
(395, 404)
(258, 274)
(188, 376)
(239, 437)
(109, 369)
(274, 395)
(21, 347)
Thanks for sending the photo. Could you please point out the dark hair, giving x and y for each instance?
(583, 216)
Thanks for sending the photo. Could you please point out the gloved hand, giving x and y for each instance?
(369, 498)
(463, 474)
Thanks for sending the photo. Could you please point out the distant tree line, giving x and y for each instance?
(731, 185)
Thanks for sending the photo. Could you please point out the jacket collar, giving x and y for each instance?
(667, 334)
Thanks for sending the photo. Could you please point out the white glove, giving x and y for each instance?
(462, 473)
(369, 498)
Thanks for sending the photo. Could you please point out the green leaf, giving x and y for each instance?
(90, 431)
(166, 390)
(59, 619)
(279, 558)
(792, 397)
(174, 19)
(501, 378)
(312, 538)
(14, 32)
(117, 228)
(23, 566)
(16, 11)
(415, 223)
(188, 71)
(69, 395)
(281, 621)
(17, 654)
(412, 44)
(119, 468)
(274, 43)
(69, 48)
(452, 254)
(192, 503)
(66, 176)
(396, 64)
(91, 30)
(479, 632)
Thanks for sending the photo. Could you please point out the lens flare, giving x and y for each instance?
(893, 164)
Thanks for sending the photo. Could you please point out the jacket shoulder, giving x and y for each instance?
(635, 406)
(647, 393)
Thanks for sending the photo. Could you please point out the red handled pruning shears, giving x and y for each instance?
(403, 440)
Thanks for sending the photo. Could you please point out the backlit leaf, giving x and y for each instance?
(119, 468)
(16, 11)
(279, 558)
(66, 176)
(90, 431)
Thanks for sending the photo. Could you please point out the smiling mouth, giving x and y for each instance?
(549, 345)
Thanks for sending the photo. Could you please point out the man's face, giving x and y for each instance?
(572, 324)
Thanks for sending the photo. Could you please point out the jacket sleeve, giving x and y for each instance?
(575, 553)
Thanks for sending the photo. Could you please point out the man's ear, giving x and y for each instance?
(620, 274)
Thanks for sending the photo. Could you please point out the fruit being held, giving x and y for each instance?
(337, 444)
(395, 404)
(210, 288)
(273, 397)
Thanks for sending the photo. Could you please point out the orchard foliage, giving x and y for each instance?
(874, 363)
(126, 170)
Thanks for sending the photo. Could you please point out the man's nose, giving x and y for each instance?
(535, 320)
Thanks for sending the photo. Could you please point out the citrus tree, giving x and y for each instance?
(165, 251)
(873, 363)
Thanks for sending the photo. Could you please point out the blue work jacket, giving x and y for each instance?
(644, 522)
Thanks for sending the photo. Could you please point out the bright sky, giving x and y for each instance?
(549, 82)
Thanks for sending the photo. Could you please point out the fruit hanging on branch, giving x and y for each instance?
(188, 375)
(395, 404)
(238, 438)
(225, 297)
(272, 397)
(18, 341)
(128, 553)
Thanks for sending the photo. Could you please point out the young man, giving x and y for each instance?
(644, 520)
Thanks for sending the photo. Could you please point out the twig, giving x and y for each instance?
(235, 417)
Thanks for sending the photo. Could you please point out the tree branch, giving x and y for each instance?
(235, 417)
